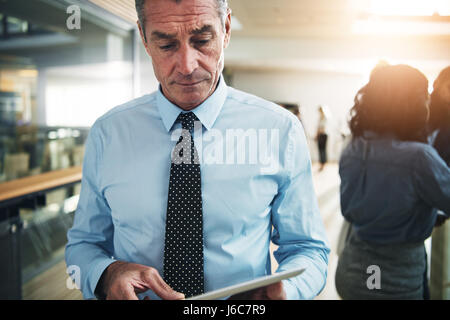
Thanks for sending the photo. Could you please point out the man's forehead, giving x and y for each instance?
(164, 10)
(207, 28)
(189, 16)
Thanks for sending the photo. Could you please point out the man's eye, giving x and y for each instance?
(167, 47)
(201, 42)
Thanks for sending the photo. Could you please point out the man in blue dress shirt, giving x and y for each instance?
(256, 180)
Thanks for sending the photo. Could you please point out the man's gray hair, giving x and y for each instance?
(222, 6)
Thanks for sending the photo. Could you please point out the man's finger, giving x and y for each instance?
(125, 292)
(276, 291)
(160, 287)
(129, 293)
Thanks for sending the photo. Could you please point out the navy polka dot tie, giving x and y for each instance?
(183, 251)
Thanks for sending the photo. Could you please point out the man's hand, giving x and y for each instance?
(271, 292)
(123, 281)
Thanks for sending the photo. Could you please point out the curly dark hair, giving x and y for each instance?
(394, 102)
(440, 106)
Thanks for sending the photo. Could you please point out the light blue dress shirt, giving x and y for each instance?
(247, 200)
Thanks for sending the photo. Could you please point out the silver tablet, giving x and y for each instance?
(248, 285)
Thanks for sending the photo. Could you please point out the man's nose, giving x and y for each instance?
(187, 60)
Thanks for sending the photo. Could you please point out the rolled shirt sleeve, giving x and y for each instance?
(90, 239)
(298, 228)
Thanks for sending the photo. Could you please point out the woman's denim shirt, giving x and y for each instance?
(391, 189)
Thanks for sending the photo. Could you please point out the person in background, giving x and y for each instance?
(440, 115)
(322, 137)
(295, 109)
(297, 113)
(392, 183)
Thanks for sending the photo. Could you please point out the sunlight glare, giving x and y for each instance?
(410, 7)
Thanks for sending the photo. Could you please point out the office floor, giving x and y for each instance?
(51, 284)
(326, 184)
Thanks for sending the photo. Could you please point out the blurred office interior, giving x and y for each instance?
(57, 78)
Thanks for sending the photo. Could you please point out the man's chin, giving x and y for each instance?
(189, 99)
(189, 102)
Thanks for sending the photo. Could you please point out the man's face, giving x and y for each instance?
(186, 42)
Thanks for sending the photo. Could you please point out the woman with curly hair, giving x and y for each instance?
(392, 183)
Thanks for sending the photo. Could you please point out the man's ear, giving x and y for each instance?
(227, 30)
(144, 41)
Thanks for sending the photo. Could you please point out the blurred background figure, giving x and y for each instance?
(391, 183)
(296, 111)
(322, 135)
(439, 125)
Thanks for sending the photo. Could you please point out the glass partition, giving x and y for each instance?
(60, 70)
(43, 239)
(57, 76)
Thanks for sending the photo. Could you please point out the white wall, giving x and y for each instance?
(308, 89)
(75, 100)
(146, 77)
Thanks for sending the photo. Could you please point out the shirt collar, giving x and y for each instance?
(207, 112)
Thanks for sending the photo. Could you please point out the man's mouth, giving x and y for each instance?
(188, 84)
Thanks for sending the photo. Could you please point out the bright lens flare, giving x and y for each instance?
(410, 7)
(402, 18)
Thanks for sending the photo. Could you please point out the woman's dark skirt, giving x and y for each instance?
(401, 267)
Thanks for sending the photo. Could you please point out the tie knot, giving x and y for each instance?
(187, 120)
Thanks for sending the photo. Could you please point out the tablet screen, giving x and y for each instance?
(248, 285)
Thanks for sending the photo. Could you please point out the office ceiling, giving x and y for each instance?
(325, 34)
(122, 8)
(290, 18)
(273, 18)
(287, 18)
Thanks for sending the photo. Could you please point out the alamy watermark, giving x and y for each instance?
(74, 20)
(74, 279)
(374, 281)
(259, 147)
